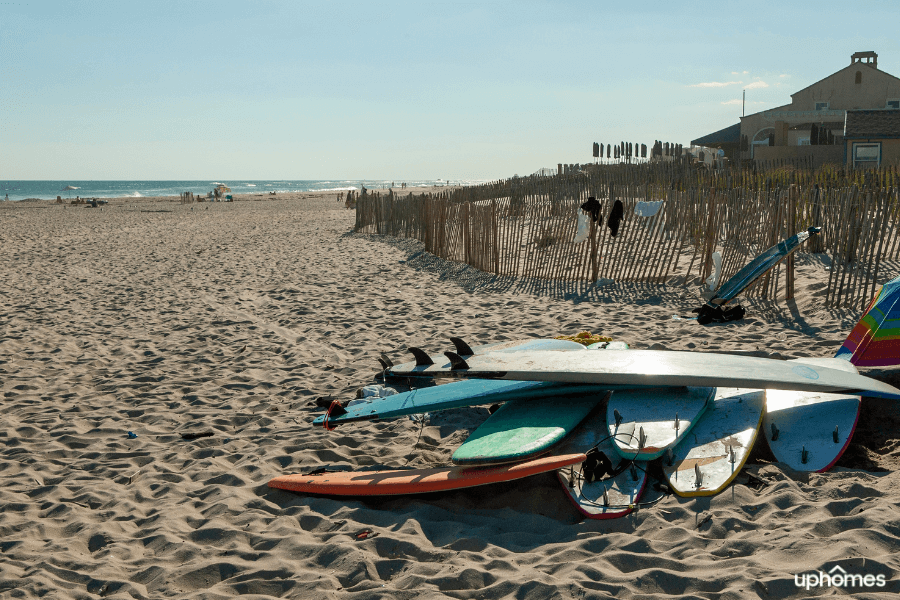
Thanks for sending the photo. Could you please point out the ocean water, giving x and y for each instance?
(49, 190)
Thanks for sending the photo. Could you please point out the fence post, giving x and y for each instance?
(789, 263)
(710, 233)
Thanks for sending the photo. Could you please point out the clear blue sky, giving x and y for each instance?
(397, 90)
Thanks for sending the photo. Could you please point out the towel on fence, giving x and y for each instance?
(584, 225)
(616, 215)
(713, 280)
(647, 209)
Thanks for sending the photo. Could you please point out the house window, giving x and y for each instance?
(867, 154)
(858, 77)
(803, 141)
(821, 106)
(893, 104)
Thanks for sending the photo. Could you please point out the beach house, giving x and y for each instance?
(812, 125)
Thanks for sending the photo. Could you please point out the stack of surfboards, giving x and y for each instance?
(702, 429)
(599, 415)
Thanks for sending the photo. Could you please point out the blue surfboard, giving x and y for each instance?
(465, 393)
(451, 395)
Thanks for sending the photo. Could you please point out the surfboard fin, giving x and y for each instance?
(775, 433)
(384, 365)
(835, 434)
(422, 358)
(618, 416)
(386, 361)
(462, 348)
(698, 476)
(670, 456)
(456, 361)
(804, 455)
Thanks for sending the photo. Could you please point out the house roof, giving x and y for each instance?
(855, 66)
(878, 123)
(729, 135)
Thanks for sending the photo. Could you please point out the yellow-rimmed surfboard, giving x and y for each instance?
(715, 450)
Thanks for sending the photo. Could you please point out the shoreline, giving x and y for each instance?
(311, 195)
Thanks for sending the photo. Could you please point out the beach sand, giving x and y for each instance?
(156, 318)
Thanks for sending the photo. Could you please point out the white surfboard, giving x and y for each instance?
(607, 499)
(463, 349)
(715, 450)
(645, 422)
(809, 431)
(650, 368)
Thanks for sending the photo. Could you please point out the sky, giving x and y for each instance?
(423, 89)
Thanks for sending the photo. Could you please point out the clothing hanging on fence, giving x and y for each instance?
(592, 207)
(618, 211)
(647, 209)
(582, 228)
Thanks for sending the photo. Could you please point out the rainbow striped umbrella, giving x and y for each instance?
(875, 341)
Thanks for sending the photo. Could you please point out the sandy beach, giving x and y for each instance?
(122, 328)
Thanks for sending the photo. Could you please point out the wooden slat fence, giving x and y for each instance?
(525, 227)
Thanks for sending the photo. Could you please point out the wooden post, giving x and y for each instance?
(710, 234)
(789, 263)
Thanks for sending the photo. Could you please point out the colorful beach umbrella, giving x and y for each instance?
(875, 341)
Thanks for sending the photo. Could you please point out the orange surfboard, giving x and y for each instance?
(417, 481)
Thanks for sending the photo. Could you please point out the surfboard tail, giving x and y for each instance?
(875, 340)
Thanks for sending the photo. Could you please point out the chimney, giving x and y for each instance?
(870, 56)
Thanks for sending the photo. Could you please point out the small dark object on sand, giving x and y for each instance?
(193, 435)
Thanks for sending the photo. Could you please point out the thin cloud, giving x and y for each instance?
(757, 84)
(785, 75)
(749, 102)
(714, 84)
(740, 72)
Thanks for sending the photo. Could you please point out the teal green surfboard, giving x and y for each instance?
(523, 428)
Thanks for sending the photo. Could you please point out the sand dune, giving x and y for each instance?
(162, 319)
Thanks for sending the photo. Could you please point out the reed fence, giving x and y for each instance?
(524, 227)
